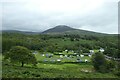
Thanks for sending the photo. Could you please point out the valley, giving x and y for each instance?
(61, 52)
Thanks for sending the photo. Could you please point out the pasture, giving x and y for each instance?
(66, 68)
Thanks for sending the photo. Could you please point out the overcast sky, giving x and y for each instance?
(39, 15)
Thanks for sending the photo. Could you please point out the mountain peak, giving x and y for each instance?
(62, 26)
(59, 29)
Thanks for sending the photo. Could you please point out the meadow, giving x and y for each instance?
(66, 68)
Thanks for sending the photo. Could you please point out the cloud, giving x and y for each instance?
(39, 15)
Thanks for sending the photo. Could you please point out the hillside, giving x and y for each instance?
(59, 29)
(62, 29)
(21, 32)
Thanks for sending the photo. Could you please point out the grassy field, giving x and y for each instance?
(63, 69)
(67, 70)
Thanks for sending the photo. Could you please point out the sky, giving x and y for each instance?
(39, 15)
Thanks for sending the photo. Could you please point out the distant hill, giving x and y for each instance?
(63, 29)
(22, 32)
(59, 29)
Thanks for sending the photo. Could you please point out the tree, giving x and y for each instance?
(21, 54)
(99, 61)
(112, 52)
(85, 50)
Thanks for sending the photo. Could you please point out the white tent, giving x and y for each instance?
(43, 55)
(66, 50)
(61, 56)
(86, 60)
(101, 50)
(58, 60)
(89, 55)
(81, 55)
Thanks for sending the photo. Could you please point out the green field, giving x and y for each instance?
(64, 69)
(54, 71)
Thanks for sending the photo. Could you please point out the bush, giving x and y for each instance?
(117, 69)
(103, 69)
(99, 62)
(110, 65)
(117, 73)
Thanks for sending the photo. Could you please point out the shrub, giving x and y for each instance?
(99, 62)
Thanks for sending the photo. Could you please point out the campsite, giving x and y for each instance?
(55, 67)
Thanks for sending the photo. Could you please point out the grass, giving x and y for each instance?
(53, 70)
(67, 70)
(0, 64)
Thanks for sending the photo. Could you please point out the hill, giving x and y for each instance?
(63, 29)
(59, 29)
(21, 32)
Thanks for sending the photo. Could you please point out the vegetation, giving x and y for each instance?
(20, 54)
(58, 42)
(53, 70)
(99, 62)
(18, 49)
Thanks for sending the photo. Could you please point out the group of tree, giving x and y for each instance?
(45, 42)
